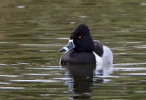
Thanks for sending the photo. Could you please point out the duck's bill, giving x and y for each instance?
(70, 45)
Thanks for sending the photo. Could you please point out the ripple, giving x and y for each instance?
(44, 68)
(126, 64)
(22, 63)
(40, 45)
(83, 16)
(142, 46)
(33, 74)
(62, 38)
(9, 75)
(134, 74)
(39, 80)
(7, 42)
(129, 53)
(143, 4)
(52, 66)
(12, 88)
(64, 79)
(119, 48)
(3, 64)
(72, 22)
(5, 83)
(106, 76)
(47, 95)
(129, 69)
(20, 7)
(45, 51)
(133, 42)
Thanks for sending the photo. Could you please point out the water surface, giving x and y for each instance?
(33, 31)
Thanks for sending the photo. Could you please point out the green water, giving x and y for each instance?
(33, 31)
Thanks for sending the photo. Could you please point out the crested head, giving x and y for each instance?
(82, 38)
(81, 29)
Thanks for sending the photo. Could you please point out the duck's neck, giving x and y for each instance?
(85, 44)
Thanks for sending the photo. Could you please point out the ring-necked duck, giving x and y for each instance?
(81, 49)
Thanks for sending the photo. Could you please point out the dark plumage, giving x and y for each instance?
(73, 57)
(81, 49)
(85, 43)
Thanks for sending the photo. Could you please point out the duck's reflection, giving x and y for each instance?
(81, 79)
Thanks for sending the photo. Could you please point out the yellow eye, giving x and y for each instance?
(79, 36)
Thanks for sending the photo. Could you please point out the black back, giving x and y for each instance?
(98, 48)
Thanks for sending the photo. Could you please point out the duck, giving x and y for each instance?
(82, 49)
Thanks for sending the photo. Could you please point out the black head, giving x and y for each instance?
(82, 39)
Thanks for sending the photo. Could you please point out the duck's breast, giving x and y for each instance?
(72, 57)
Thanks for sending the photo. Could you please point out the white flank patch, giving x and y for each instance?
(98, 62)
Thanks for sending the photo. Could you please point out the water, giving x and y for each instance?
(32, 33)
